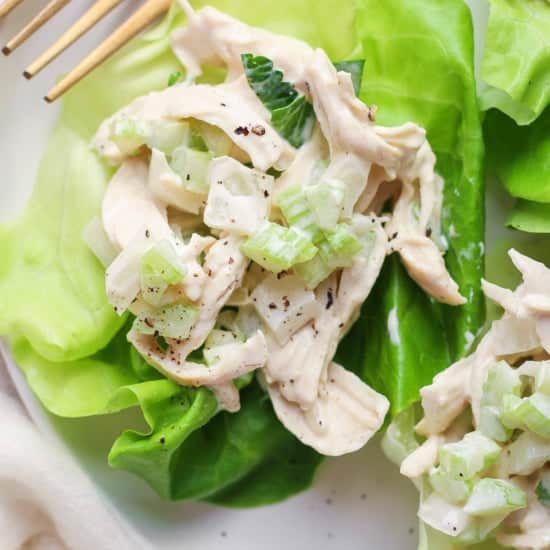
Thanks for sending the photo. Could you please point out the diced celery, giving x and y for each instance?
(313, 272)
(216, 140)
(219, 337)
(501, 380)
(298, 213)
(468, 457)
(454, 489)
(490, 424)
(491, 497)
(444, 516)
(192, 167)
(162, 260)
(543, 488)
(167, 135)
(480, 529)
(277, 248)
(502, 383)
(326, 200)
(216, 340)
(526, 454)
(342, 246)
(129, 134)
(98, 242)
(509, 413)
(533, 412)
(160, 267)
(174, 321)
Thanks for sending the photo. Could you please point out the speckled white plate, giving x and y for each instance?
(357, 502)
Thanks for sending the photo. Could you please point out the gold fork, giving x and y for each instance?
(142, 17)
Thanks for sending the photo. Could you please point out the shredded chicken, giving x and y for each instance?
(288, 331)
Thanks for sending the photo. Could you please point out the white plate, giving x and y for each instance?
(357, 502)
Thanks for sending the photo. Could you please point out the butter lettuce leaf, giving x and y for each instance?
(420, 68)
(516, 59)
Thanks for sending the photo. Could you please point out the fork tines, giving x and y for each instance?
(140, 19)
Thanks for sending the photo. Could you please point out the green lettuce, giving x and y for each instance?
(420, 67)
(516, 59)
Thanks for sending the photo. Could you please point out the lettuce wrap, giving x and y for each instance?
(70, 343)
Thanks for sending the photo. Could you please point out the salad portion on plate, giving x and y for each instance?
(263, 225)
(251, 218)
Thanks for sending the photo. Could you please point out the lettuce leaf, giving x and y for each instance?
(520, 155)
(531, 217)
(420, 67)
(516, 59)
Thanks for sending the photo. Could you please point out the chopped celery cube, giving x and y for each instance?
(454, 489)
(192, 167)
(167, 135)
(298, 213)
(343, 245)
(219, 337)
(313, 272)
(468, 457)
(533, 412)
(160, 267)
(509, 414)
(501, 380)
(277, 248)
(326, 200)
(526, 454)
(444, 516)
(495, 496)
(129, 134)
(480, 529)
(543, 488)
(490, 424)
(174, 321)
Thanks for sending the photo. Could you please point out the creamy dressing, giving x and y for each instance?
(289, 332)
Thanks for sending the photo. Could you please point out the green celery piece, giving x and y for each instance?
(492, 497)
(313, 272)
(452, 488)
(520, 155)
(162, 260)
(297, 212)
(174, 321)
(516, 59)
(277, 248)
(531, 413)
(326, 200)
(420, 68)
(192, 168)
(342, 244)
(502, 381)
(469, 457)
(129, 135)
